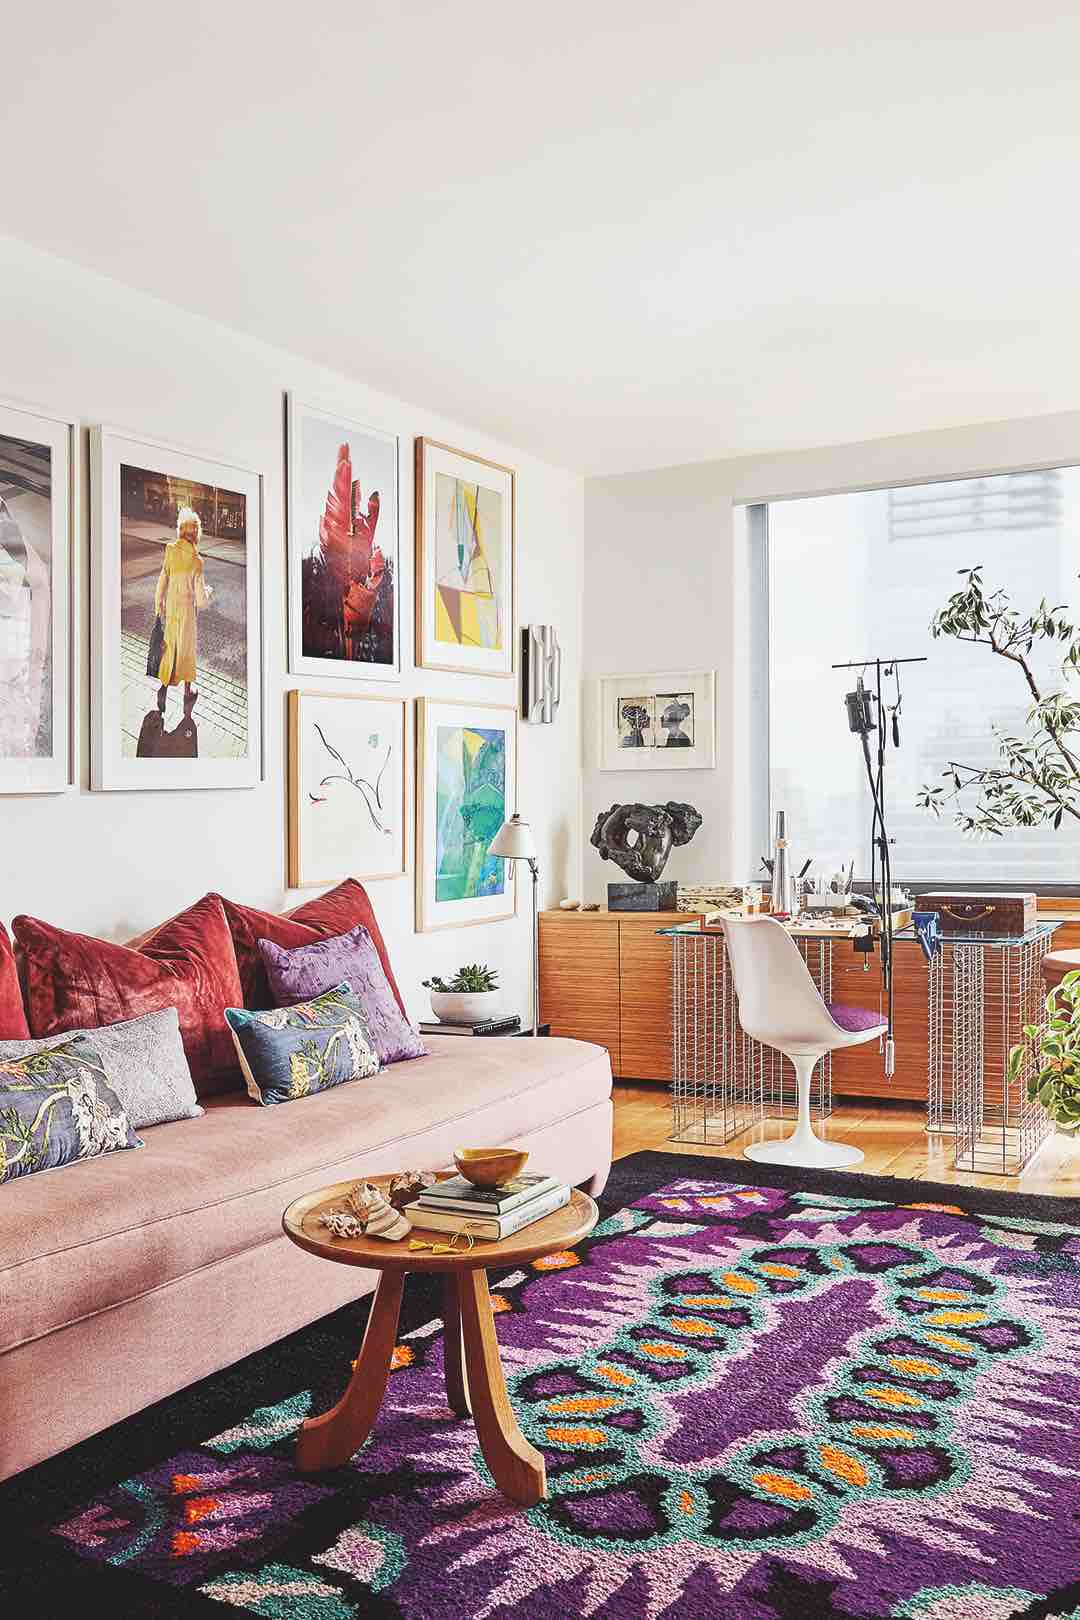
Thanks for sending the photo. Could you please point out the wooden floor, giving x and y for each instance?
(891, 1136)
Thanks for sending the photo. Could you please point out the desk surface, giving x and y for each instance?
(851, 927)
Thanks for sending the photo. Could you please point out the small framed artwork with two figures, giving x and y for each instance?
(657, 722)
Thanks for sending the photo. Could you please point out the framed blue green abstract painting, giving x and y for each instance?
(466, 769)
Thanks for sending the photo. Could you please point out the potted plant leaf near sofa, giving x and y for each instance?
(470, 997)
(1055, 1045)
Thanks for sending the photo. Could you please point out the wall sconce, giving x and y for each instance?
(541, 673)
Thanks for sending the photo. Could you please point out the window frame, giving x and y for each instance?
(758, 573)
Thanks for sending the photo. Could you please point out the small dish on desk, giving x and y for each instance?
(490, 1167)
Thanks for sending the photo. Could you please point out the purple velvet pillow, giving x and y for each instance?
(307, 970)
(853, 1019)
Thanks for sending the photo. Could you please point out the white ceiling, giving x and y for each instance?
(621, 234)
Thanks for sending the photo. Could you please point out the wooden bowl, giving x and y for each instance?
(490, 1167)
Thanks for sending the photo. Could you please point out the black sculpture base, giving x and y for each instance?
(642, 896)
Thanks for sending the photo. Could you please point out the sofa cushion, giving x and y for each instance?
(57, 1107)
(308, 970)
(291, 1052)
(76, 982)
(144, 1064)
(13, 1025)
(332, 913)
(203, 1190)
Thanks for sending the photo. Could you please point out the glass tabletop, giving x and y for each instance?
(1040, 931)
(1001, 941)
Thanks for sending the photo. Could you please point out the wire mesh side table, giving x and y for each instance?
(722, 1081)
(982, 991)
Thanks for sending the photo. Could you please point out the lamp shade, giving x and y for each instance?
(514, 841)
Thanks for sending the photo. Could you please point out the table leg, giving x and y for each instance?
(457, 1382)
(330, 1440)
(516, 1467)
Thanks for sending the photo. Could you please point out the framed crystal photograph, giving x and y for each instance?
(344, 548)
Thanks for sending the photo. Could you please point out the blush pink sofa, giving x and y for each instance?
(127, 1277)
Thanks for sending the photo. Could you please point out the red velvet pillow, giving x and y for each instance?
(76, 982)
(333, 913)
(13, 1025)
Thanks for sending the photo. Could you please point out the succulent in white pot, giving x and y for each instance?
(470, 997)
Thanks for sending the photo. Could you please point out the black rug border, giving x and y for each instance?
(639, 1173)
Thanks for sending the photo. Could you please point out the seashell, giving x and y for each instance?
(367, 1213)
(340, 1224)
(408, 1185)
(590, 905)
(569, 905)
(379, 1216)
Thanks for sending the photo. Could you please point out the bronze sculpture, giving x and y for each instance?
(640, 837)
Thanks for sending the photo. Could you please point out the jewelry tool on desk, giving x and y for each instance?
(860, 706)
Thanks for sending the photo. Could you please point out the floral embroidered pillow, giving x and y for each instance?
(290, 1052)
(56, 1107)
(352, 959)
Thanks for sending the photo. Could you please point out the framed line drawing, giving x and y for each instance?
(344, 547)
(176, 620)
(658, 722)
(466, 783)
(464, 562)
(37, 499)
(347, 798)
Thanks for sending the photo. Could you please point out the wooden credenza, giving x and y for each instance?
(606, 976)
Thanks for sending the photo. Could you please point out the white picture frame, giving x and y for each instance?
(672, 713)
(117, 680)
(440, 470)
(375, 456)
(347, 787)
(39, 502)
(435, 813)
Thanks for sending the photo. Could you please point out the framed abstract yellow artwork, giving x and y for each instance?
(464, 562)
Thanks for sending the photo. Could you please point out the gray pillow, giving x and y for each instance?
(144, 1062)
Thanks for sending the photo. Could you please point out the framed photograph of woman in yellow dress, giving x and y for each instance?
(176, 671)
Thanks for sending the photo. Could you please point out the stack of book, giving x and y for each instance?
(488, 1212)
(491, 1026)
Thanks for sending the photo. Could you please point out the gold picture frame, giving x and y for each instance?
(448, 482)
(434, 912)
(344, 794)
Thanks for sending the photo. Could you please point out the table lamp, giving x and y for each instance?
(514, 842)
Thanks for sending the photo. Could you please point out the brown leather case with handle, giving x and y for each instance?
(1011, 914)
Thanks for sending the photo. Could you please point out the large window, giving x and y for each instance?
(859, 576)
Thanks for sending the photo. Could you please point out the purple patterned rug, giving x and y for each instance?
(755, 1399)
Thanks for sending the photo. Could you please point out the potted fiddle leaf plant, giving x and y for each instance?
(470, 997)
(1055, 1082)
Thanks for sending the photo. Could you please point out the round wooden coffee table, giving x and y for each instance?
(475, 1385)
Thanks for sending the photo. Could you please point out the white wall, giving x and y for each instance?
(656, 599)
(666, 588)
(81, 347)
